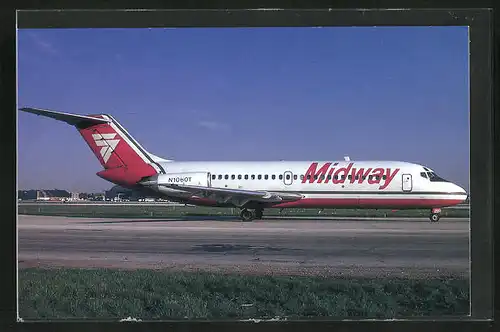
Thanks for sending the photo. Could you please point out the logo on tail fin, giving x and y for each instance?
(108, 144)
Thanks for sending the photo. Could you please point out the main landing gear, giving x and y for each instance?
(251, 214)
(435, 215)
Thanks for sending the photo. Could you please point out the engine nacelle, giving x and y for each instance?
(160, 182)
(185, 178)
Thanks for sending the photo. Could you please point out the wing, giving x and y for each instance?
(237, 197)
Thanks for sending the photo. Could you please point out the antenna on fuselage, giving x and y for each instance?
(346, 158)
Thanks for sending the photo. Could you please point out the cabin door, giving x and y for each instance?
(288, 178)
(209, 180)
(407, 183)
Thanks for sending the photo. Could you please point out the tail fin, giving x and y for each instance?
(124, 160)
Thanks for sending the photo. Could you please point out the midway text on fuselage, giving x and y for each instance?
(328, 172)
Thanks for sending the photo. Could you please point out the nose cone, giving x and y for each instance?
(462, 191)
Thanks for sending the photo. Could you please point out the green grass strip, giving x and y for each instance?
(146, 294)
(138, 211)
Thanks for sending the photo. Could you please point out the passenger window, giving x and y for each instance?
(322, 177)
(281, 177)
(226, 176)
(239, 176)
(309, 177)
(343, 177)
(329, 177)
(384, 177)
(266, 177)
(288, 176)
(295, 176)
(220, 177)
(336, 177)
(213, 177)
(302, 176)
(273, 177)
(246, 176)
(259, 177)
(349, 177)
(233, 177)
(253, 177)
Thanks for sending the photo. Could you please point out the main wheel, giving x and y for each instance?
(259, 213)
(247, 215)
(434, 217)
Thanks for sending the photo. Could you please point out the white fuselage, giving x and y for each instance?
(380, 184)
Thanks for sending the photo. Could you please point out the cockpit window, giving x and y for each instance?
(423, 175)
(435, 178)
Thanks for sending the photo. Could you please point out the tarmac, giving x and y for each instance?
(353, 247)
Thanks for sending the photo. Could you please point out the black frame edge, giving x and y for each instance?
(481, 165)
(8, 203)
(30, 19)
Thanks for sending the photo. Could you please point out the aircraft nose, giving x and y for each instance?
(462, 191)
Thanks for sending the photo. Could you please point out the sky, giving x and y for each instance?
(374, 93)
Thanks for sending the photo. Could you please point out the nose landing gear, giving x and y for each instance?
(435, 215)
(251, 214)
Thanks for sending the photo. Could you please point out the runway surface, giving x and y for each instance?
(403, 248)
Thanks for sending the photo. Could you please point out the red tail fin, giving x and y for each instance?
(125, 162)
(108, 146)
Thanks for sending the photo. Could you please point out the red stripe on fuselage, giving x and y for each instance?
(380, 203)
(401, 203)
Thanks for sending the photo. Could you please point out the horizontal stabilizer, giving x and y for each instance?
(71, 119)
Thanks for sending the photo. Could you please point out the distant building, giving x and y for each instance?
(118, 192)
(100, 197)
(52, 195)
(26, 194)
(121, 193)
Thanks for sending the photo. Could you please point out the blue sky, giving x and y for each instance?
(386, 93)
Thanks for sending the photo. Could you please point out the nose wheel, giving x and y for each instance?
(435, 215)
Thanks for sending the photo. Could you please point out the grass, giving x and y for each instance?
(145, 294)
(152, 211)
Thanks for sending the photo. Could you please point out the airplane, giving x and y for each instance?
(258, 185)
